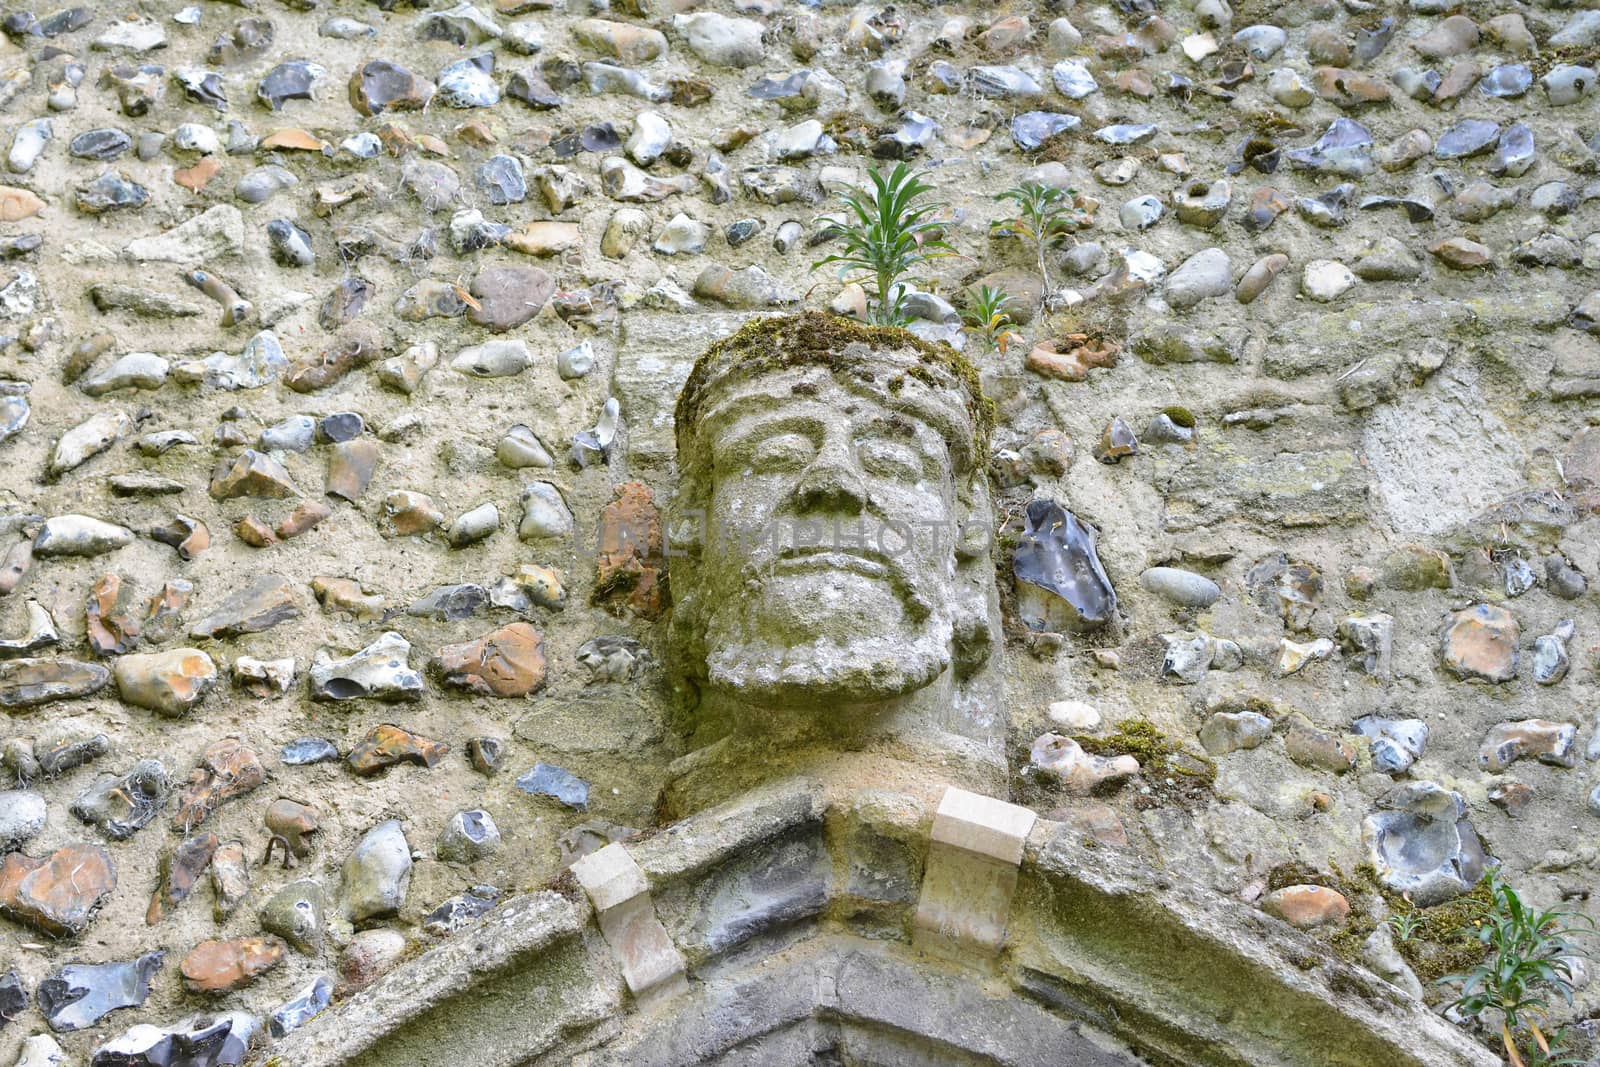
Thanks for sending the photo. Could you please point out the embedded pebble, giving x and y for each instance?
(1181, 587)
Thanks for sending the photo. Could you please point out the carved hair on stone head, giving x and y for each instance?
(816, 339)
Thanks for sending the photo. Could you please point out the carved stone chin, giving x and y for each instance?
(864, 668)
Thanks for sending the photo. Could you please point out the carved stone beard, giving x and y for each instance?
(776, 645)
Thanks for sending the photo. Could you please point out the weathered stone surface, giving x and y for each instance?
(468, 837)
(507, 662)
(369, 955)
(170, 682)
(1480, 643)
(1064, 760)
(181, 870)
(22, 816)
(80, 995)
(39, 635)
(1396, 743)
(1181, 586)
(1422, 844)
(203, 1041)
(1229, 731)
(57, 894)
(1416, 441)
(228, 769)
(295, 913)
(121, 805)
(223, 966)
(388, 745)
(1060, 582)
(1369, 641)
(509, 297)
(381, 671)
(295, 823)
(631, 563)
(304, 1006)
(230, 878)
(13, 998)
(351, 468)
(384, 86)
(1307, 906)
(354, 346)
(557, 783)
(544, 513)
(79, 535)
(111, 621)
(376, 876)
(1311, 747)
(251, 474)
(1549, 742)
(28, 683)
(266, 602)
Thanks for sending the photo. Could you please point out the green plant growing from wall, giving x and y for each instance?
(889, 233)
(1559, 1055)
(1044, 215)
(987, 315)
(1530, 958)
(1404, 925)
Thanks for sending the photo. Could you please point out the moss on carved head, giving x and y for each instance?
(813, 338)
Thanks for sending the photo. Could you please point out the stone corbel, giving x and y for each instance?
(651, 964)
(973, 857)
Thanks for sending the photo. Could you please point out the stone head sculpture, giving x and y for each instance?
(832, 480)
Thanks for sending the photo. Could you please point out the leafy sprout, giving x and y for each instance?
(1531, 957)
(987, 315)
(1560, 1054)
(1404, 924)
(1044, 215)
(889, 233)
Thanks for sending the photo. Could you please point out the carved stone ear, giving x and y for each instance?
(686, 652)
(685, 533)
(687, 520)
(975, 608)
(975, 628)
(975, 524)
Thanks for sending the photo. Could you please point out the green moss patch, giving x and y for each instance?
(1572, 55)
(1172, 772)
(1180, 416)
(1442, 939)
(1296, 873)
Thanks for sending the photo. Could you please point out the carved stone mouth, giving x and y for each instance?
(802, 558)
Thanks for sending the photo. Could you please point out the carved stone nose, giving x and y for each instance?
(830, 485)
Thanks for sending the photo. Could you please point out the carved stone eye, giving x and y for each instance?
(889, 459)
(781, 453)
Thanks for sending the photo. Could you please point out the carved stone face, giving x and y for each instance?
(835, 506)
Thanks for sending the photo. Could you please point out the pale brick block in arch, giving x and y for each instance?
(975, 851)
(651, 964)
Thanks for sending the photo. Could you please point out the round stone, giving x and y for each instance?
(1074, 715)
(22, 816)
(1181, 587)
(1326, 280)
